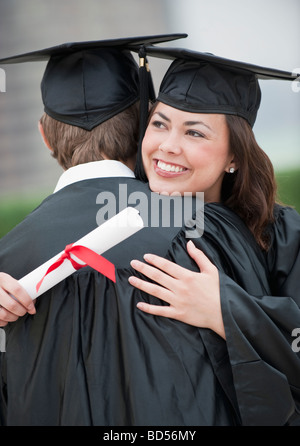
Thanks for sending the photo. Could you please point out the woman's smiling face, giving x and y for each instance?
(186, 152)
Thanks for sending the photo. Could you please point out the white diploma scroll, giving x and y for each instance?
(109, 234)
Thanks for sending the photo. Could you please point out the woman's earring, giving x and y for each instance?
(231, 170)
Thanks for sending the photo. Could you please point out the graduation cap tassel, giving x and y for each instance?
(151, 90)
(144, 82)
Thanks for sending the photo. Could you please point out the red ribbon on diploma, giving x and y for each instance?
(91, 258)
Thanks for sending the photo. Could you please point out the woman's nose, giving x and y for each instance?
(170, 145)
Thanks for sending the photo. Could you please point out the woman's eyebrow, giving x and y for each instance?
(188, 123)
(162, 116)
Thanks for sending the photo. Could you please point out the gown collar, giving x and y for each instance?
(94, 169)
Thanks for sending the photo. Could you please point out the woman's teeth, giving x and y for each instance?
(169, 167)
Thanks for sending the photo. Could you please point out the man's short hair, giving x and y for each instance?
(116, 139)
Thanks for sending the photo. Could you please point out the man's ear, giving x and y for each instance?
(41, 130)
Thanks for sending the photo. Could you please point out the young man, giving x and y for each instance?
(84, 356)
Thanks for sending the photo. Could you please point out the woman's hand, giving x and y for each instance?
(11, 308)
(193, 298)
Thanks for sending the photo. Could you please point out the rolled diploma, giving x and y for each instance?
(109, 234)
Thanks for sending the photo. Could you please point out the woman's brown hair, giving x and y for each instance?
(251, 190)
(116, 139)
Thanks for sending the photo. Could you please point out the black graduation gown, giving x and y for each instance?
(260, 330)
(260, 301)
(89, 357)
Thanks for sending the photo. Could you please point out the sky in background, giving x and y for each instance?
(262, 32)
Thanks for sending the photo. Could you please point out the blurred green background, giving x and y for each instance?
(14, 209)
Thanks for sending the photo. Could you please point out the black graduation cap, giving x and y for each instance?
(202, 82)
(86, 83)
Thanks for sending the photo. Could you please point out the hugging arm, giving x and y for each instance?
(179, 287)
(261, 325)
(11, 308)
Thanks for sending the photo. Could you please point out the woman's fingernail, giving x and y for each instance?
(132, 280)
(31, 309)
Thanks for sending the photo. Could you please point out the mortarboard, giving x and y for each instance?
(86, 83)
(202, 82)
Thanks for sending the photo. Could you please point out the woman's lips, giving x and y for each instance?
(168, 170)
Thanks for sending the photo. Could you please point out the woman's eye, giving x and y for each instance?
(195, 134)
(158, 124)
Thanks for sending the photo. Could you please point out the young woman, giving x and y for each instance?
(199, 138)
(216, 154)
